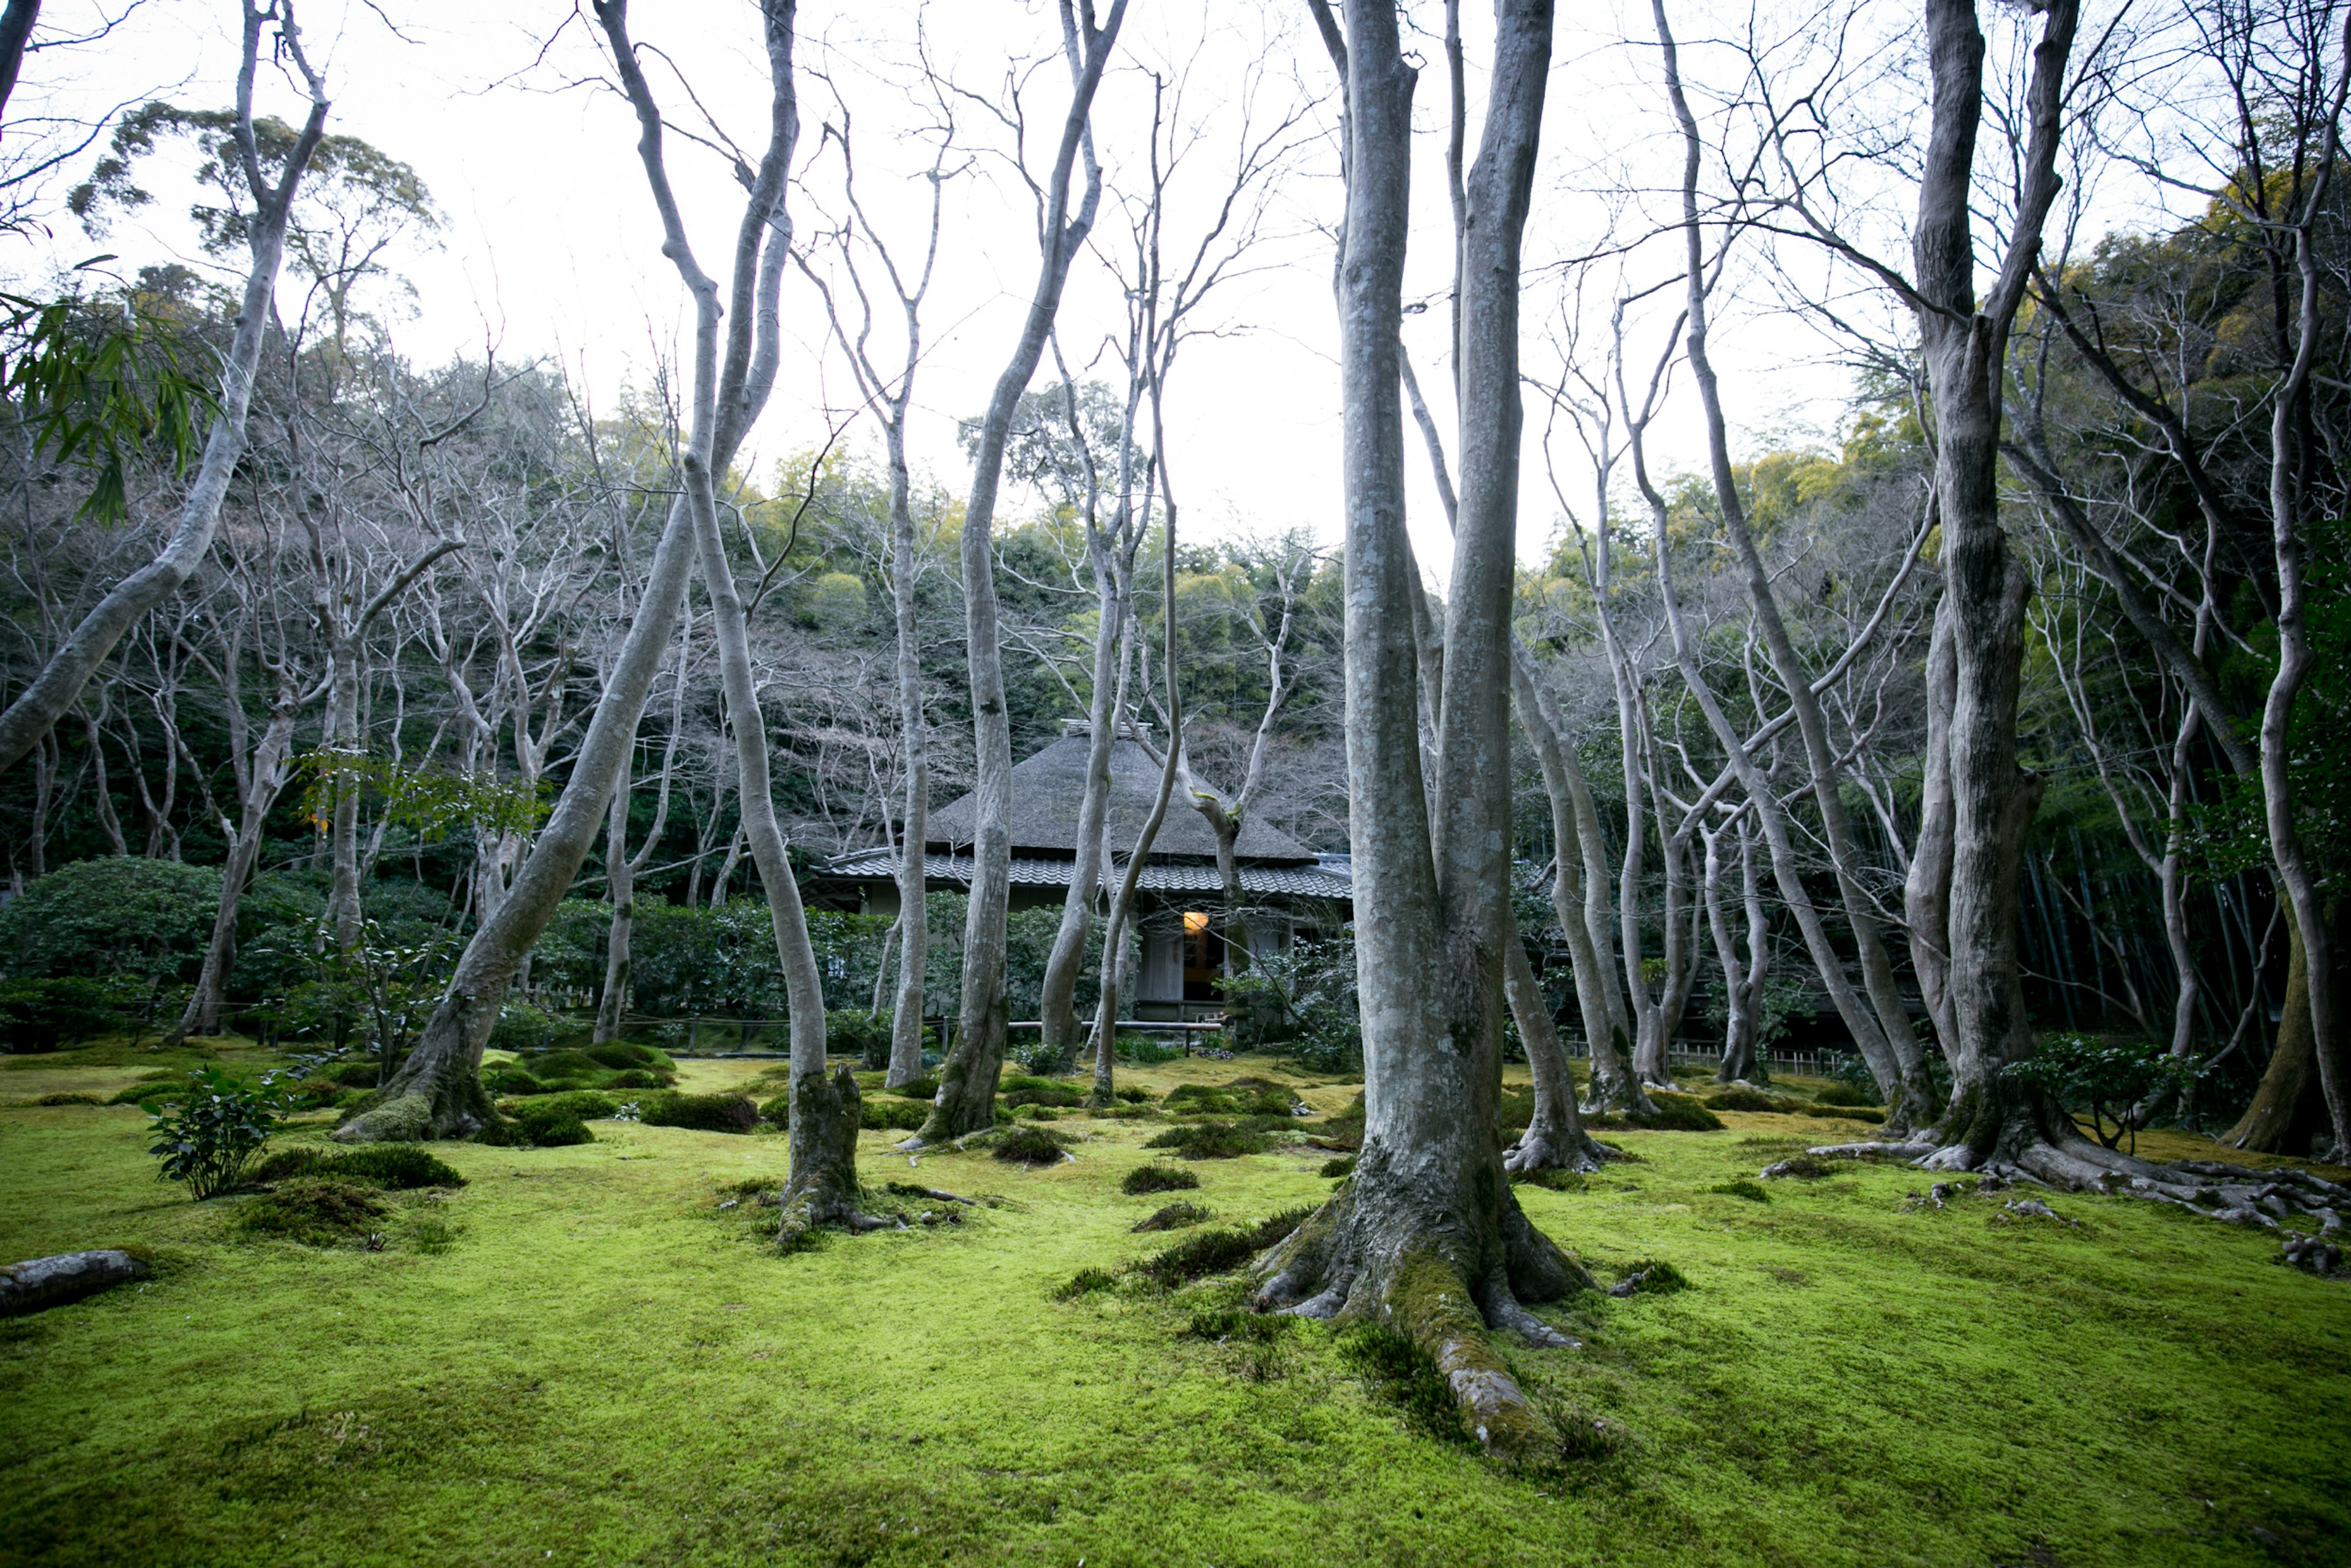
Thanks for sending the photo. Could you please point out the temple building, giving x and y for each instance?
(1289, 889)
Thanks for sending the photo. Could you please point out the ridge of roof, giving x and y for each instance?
(1049, 785)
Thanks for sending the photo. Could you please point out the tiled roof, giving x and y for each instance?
(1313, 880)
(1049, 786)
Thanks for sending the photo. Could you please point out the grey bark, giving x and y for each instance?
(60, 684)
(1912, 1096)
(966, 1096)
(622, 869)
(437, 1091)
(1426, 1234)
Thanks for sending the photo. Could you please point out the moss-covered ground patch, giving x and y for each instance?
(592, 1365)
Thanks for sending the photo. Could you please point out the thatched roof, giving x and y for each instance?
(1047, 787)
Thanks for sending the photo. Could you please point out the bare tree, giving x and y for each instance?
(966, 1097)
(60, 684)
(1426, 1233)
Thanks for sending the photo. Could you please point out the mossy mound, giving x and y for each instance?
(1158, 1178)
(1738, 1097)
(701, 1113)
(923, 1089)
(1843, 1095)
(1211, 1141)
(1675, 1113)
(1552, 1179)
(556, 1122)
(1017, 1090)
(1027, 1146)
(1843, 1113)
(617, 1064)
(1174, 1217)
(68, 1099)
(1242, 1097)
(318, 1211)
(875, 1115)
(1744, 1187)
(581, 1104)
(397, 1166)
(1217, 1251)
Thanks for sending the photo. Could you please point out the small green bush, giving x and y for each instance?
(1650, 1277)
(639, 1078)
(621, 1055)
(778, 1110)
(1158, 1179)
(396, 1166)
(206, 1133)
(1085, 1282)
(68, 1099)
(537, 1132)
(1238, 1322)
(701, 1113)
(1401, 1373)
(876, 1114)
(1038, 1113)
(318, 1211)
(1174, 1217)
(1552, 1178)
(1744, 1187)
(1027, 1146)
(1134, 1094)
(1210, 1141)
(1843, 1095)
(1142, 1051)
(521, 1027)
(920, 1089)
(1345, 1130)
(356, 1074)
(854, 1031)
(1339, 1165)
(54, 1015)
(1195, 1256)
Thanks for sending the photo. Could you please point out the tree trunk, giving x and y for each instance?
(1911, 1097)
(1575, 832)
(2289, 1111)
(1554, 1138)
(60, 684)
(1927, 890)
(437, 1092)
(1426, 1235)
(966, 1097)
(1738, 1005)
(913, 881)
(622, 883)
(1057, 1009)
(266, 782)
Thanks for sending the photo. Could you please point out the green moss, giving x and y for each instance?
(1174, 1217)
(1833, 1093)
(597, 1370)
(923, 1089)
(1343, 1165)
(1680, 1113)
(1751, 1190)
(877, 1114)
(703, 1112)
(1554, 1180)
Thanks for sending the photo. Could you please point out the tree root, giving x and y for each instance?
(1362, 1258)
(1553, 1147)
(2234, 1195)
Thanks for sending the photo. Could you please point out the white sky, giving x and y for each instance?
(551, 246)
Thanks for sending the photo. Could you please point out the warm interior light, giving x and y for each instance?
(1196, 920)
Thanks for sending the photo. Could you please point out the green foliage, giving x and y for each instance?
(69, 1099)
(1746, 1100)
(1223, 1323)
(1751, 1191)
(1085, 1282)
(1027, 1146)
(54, 1015)
(1400, 1373)
(207, 1131)
(1017, 1090)
(1142, 1051)
(1306, 997)
(2106, 1078)
(925, 1089)
(520, 1027)
(1337, 1167)
(860, 1032)
(1210, 1141)
(1651, 1277)
(118, 914)
(397, 1166)
(1838, 1092)
(1158, 1178)
(1209, 1252)
(318, 1211)
(431, 802)
(98, 380)
(1177, 1215)
(1243, 1097)
(703, 1112)
(878, 1114)
(1552, 1179)
(554, 1122)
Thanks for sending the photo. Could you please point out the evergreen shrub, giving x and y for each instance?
(701, 1113)
(1158, 1179)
